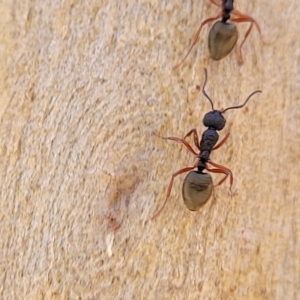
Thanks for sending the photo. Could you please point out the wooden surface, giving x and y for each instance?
(83, 87)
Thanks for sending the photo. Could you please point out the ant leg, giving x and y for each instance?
(184, 170)
(241, 18)
(179, 140)
(195, 136)
(215, 3)
(245, 37)
(195, 39)
(221, 142)
(222, 170)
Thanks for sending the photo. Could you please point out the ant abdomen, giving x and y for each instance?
(221, 39)
(196, 189)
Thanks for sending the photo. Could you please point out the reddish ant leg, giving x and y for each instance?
(222, 170)
(215, 3)
(242, 18)
(195, 39)
(221, 142)
(195, 137)
(179, 140)
(184, 170)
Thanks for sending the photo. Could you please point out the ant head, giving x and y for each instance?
(214, 119)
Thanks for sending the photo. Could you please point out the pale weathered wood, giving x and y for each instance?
(85, 84)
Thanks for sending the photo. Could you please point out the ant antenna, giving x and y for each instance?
(240, 106)
(203, 91)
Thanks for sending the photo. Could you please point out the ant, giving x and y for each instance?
(223, 36)
(197, 186)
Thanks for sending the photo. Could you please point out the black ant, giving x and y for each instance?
(223, 36)
(197, 186)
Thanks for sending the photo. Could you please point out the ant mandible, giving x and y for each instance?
(223, 36)
(197, 186)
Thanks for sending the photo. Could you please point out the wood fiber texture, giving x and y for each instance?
(84, 87)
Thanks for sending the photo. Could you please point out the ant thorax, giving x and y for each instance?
(209, 138)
